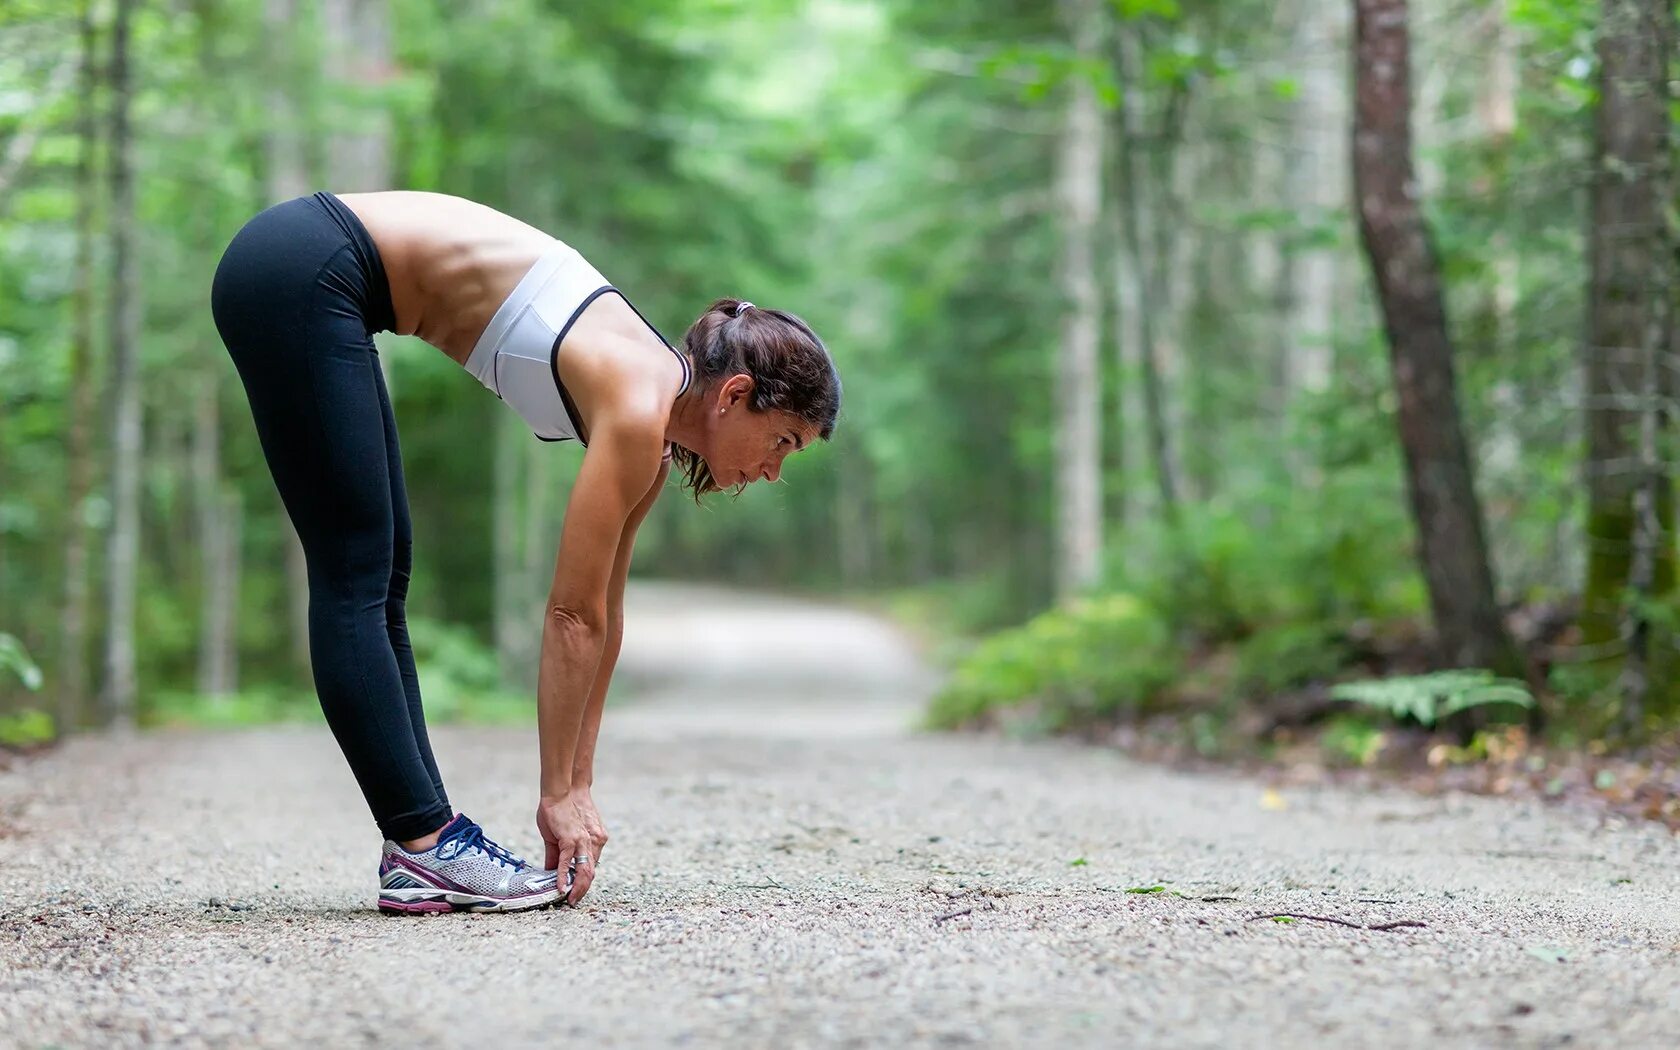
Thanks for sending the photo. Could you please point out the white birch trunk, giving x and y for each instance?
(1078, 391)
(1318, 186)
(121, 679)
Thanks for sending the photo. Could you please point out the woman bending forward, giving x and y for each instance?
(297, 297)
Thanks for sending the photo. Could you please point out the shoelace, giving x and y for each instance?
(473, 838)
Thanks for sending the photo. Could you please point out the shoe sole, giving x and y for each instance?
(426, 902)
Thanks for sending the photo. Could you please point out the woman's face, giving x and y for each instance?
(747, 446)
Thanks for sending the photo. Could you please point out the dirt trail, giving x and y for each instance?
(791, 866)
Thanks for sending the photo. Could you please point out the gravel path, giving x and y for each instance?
(791, 867)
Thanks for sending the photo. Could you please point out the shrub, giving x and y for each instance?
(1097, 656)
(1288, 656)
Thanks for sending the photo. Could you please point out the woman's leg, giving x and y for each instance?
(396, 600)
(285, 302)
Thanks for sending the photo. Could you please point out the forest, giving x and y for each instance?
(1200, 356)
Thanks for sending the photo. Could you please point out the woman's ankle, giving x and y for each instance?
(424, 842)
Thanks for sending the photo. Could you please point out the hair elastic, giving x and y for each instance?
(742, 307)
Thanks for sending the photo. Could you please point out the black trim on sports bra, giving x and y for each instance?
(554, 354)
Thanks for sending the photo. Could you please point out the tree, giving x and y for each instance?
(73, 640)
(1078, 389)
(126, 321)
(287, 168)
(1630, 512)
(1451, 547)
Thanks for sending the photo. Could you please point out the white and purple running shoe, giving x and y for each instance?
(464, 871)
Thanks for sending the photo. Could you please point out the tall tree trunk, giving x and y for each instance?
(1122, 315)
(216, 504)
(1451, 543)
(1078, 390)
(1148, 295)
(1126, 431)
(218, 535)
(507, 597)
(1630, 514)
(521, 546)
(73, 669)
(526, 491)
(359, 145)
(1500, 458)
(1273, 272)
(120, 682)
(288, 176)
(1318, 187)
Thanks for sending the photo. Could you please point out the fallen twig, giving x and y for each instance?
(952, 915)
(1383, 927)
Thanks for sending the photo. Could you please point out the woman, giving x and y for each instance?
(297, 297)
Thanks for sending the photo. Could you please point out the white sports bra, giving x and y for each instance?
(514, 357)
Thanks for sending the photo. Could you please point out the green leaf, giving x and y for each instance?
(16, 659)
(1287, 920)
(1079, 862)
(1135, 9)
(1428, 698)
(1147, 889)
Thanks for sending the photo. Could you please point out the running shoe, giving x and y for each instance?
(464, 871)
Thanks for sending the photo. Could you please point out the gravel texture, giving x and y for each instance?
(791, 866)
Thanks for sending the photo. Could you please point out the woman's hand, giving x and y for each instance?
(571, 827)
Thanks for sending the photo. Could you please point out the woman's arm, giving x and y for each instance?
(623, 458)
(583, 765)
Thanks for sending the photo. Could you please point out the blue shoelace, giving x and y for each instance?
(473, 837)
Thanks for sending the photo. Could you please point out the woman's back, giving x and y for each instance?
(450, 261)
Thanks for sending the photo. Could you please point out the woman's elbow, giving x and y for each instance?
(572, 619)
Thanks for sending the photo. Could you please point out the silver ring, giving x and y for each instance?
(581, 860)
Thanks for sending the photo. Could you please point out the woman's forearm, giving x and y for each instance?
(571, 653)
(583, 761)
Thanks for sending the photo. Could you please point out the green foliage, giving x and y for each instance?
(1098, 656)
(958, 608)
(26, 728)
(1349, 740)
(1135, 9)
(1289, 655)
(252, 706)
(1428, 698)
(460, 679)
(15, 659)
(1273, 554)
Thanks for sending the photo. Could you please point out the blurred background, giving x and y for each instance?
(1128, 426)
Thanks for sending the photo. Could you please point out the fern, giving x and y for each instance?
(13, 657)
(1432, 697)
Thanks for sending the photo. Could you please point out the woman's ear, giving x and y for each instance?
(736, 389)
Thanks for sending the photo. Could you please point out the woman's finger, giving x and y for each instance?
(583, 872)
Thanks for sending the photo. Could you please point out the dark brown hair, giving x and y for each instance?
(790, 368)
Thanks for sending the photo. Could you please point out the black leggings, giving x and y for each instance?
(297, 297)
